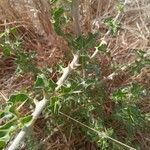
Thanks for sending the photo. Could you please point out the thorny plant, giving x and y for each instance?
(77, 101)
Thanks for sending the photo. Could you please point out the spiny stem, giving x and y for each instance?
(41, 105)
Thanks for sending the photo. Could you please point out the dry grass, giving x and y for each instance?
(32, 21)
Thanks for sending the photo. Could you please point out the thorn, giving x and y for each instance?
(35, 101)
(103, 41)
(62, 68)
(77, 65)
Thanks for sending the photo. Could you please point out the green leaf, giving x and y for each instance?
(13, 110)
(140, 53)
(131, 116)
(8, 31)
(119, 95)
(77, 43)
(56, 14)
(44, 83)
(40, 81)
(9, 110)
(55, 105)
(136, 90)
(4, 137)
(2, 114)
(102, 47)
(90, 40)
(26, 120)
(120, 6)
(112, 25)
(18, 98)
(3, 133)
(8, 125)
(24, 62)
(81, 42)
(52, 85)
(6, 51)
(2, 143)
